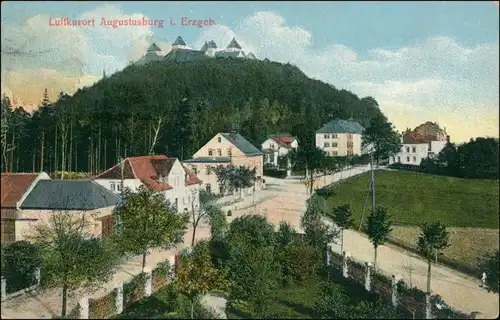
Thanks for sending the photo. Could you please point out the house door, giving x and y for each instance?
(208, 188)
(108, 226)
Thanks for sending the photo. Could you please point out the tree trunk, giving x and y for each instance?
(311, 173)
(428, 293)
(192, 308)
(194, 234)
(55, 153)
(144, 253)
(41, 150)
(64, 300)
(342, 240)
(33, 162)
(375, 259)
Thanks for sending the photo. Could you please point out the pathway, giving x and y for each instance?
(459, 291)
(44, 305)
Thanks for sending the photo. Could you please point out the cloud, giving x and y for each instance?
(76, 56)
(437, 79)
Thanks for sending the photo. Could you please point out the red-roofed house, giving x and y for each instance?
(277, 146)
(160, 173)
(416, 147)
(15, 187)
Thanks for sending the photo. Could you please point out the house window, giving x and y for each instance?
(229, 153)
(407, 149)
(195, 170)
(209, 170)
(327, 136)
(219, 152)
(413, 149)
(327, 145)
(113, 186)
(414, 159)
(335, 136)
(334, 145)
(407, 159)
(210, 152)
(399, 159)
(335, 153)
(219, 139)
(208, 188)
(119, 186)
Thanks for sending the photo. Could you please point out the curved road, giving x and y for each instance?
(459, 291)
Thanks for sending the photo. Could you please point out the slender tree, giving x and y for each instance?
(342, 216)
(148, 222)
(382, 136)
(197, 275)
(433, 238)
(200, 212)
(71, 259)
(378, 228)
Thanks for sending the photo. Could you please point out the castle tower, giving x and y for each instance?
(234, 46)
(210, 48)
(154, 49)
(179, 44)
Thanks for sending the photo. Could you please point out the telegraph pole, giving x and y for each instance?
(373, 182)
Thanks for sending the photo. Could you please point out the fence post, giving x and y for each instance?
(4, 287)
(119, 299)
(395, 297)
(148, 284)
(37, 276)
(368, 276)
(345, 269)
(84, 308)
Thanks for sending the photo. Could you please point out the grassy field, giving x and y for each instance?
(467, 245)
(412, 198)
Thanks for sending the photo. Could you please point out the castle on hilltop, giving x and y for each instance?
(182, 52)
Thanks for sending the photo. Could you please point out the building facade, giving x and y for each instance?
(224, 149)
(340, 138)
(167, 176)
(416, 147)
(182, 52)
(277, 146)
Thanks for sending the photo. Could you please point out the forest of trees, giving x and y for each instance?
(171, 108)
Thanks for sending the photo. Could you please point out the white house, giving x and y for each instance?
(416, 147)
(340, 138)
(277, 146)
(166, 175)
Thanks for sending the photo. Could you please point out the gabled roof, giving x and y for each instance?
(234, 44)
(243, 144)
(148, 169)
(211, 45)
(154, 47)
(14, 186)
(179, 41)
(414, 138)
(285, 141)
(341, 126)
(69, 195)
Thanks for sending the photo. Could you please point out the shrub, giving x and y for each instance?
(20, 260)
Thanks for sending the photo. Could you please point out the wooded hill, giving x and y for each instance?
(182, 104)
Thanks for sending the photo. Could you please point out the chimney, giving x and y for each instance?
(447, 138)
(234, 130)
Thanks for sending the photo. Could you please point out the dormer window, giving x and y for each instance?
(219, 139)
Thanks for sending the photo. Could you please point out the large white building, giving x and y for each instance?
(340, 138)
(416, 147)
(182, 52)
(159, 173)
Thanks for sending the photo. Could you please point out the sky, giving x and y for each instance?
(422, 61)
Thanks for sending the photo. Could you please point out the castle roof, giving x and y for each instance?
(234, 44)
(341, 126)
(211, 45)
(154, 47)
(179, 41)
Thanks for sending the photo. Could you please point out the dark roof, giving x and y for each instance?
(154, 47)
(14, 186)
(211, 44)
(185, 55)
(208, 160)
(414, 138)
(179, 41)
(69, 195)
(243, 145)
(228, 54)
(234, 44)
(148, 57)
(341, 126)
